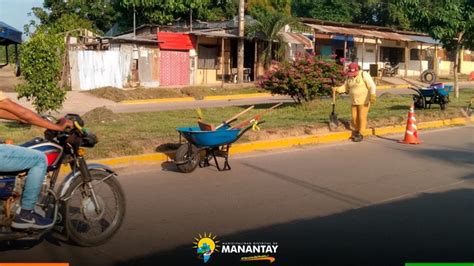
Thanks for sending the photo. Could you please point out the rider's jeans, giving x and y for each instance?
(14, 158)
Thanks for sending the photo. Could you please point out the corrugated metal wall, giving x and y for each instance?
(95, 69)
(174, 67)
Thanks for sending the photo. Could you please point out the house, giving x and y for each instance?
(372, 46)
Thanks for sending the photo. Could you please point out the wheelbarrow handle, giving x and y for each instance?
(234, 117)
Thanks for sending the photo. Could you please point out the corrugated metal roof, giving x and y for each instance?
(298, 38)
(174, 41)
(8, 34)
(216, 33)
(423, 39)
(359, 32)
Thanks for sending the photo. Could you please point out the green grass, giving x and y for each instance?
(198, 92)
(137, 133)
(450, 78)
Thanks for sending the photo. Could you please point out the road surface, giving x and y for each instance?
(372, 203)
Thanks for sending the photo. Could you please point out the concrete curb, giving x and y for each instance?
(289, 142)
(161, 100)
(230, 97)
(387, 87)
(236, 96)
(191, 99)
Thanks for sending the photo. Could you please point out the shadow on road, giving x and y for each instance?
(460, 157)
(430, 227)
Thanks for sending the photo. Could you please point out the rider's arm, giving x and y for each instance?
(13, 111)
(9, 116)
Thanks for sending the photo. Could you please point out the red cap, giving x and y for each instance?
(353, 70)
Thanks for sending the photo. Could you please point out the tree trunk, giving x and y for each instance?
(455, 69)
(240, 48)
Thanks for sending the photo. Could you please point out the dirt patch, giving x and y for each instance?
(8, 80)
(118, 95)
(197, 92)
(270, 134)
(99, 115)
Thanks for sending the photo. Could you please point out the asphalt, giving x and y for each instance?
(372, 203)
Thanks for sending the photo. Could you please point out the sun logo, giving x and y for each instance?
(205, 246)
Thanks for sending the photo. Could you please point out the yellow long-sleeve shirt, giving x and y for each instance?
(359, 87)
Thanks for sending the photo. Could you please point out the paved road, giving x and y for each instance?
(373, 203)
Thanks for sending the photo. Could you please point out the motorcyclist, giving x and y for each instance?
(15, 158)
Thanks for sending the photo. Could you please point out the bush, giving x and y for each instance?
(41, 61)
(302, 79)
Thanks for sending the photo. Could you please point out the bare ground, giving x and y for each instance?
(8, 80)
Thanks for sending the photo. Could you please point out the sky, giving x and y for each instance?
(15, 12)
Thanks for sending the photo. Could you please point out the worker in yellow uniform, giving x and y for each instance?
(361, 88)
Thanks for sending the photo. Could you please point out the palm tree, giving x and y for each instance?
(268, 28)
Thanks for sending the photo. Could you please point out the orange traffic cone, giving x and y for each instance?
(411, 134)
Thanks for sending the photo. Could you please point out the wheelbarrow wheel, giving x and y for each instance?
(188, 154)
(443, 102)
(419, 102)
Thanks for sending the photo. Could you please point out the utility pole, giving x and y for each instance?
(134, 23)
(240, 48)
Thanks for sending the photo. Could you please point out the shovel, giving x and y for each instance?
(333, 122)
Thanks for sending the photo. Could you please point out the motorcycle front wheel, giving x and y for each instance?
(94, 212)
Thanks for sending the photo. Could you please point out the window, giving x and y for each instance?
(415, 54)
(207, 56)
(392, 55)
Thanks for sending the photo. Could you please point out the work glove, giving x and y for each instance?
(373, 98)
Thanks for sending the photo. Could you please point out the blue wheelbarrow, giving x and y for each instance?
(437, 93)
(205, 143)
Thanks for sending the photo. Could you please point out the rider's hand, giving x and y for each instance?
(64, 123)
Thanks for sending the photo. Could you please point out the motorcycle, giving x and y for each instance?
(390, 70)
(87, 205)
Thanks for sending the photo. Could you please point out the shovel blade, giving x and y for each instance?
(333, 122)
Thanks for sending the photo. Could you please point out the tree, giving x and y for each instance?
(268, 28)
(372, 12)
(101, 13)
(41, 60)
(382, 13)
(333, 10)
(164, 11)
(259, 8)
(450, 21)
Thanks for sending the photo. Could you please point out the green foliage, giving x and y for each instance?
(451, 22)
(302, 79)
(372, 12)
(261, 8)
(163, 12)
(11, 54)
(267, 27)
(41, 67)
(334, 10)
(100, 13)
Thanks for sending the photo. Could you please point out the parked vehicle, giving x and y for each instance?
(390, 70)
(437, 93)
(87, 206)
